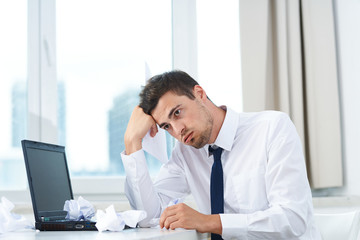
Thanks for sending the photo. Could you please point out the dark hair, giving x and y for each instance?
(176, 81)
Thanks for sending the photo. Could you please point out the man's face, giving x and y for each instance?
(189, 121)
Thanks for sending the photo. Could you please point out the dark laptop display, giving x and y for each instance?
(50, 186)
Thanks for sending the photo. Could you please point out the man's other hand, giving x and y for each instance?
(183, 216)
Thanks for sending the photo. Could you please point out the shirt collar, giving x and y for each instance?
(226, 136)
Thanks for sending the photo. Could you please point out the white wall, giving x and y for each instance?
(348, 42)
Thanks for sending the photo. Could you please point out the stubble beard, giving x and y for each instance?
(204, 138)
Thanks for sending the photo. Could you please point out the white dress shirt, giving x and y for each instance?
(266, 190)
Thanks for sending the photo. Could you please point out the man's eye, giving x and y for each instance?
(177, 113)
(166, 127)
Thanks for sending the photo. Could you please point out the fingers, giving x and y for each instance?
(170, 222)
(168, 212)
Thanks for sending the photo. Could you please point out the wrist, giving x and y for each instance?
(132, 146)
(216, 226)
(212, 224)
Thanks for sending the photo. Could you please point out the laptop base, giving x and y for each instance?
(65, 226)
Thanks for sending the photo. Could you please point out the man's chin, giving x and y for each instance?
(197, 145)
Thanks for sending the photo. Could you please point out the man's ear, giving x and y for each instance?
(199, 92)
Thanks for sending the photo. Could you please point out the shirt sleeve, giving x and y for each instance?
(138, 186)
(289, 210)
(143, 194)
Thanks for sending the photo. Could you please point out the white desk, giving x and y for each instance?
(128, 234)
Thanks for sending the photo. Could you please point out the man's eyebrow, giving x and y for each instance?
(173, 110)
(170, 115)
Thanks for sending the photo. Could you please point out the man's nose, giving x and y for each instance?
(179, 128)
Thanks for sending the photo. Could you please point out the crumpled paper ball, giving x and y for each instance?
(80, 209)
(112, 221)
(9, 221)
(109, 220)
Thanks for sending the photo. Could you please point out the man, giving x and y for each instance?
(264, 191)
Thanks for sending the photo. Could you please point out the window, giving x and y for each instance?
(71, 71)
(105, 52)
(218, 34)
(13, 93)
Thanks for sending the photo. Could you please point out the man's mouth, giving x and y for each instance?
(187, 139)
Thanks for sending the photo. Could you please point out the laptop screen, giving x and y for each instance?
(48, 173)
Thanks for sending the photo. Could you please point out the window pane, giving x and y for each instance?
(219, 51)
(105, 51)
(13, 71)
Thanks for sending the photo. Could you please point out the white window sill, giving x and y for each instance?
(336, 204)
(101, 192)
(120, 202)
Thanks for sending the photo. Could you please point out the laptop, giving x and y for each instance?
(50, 187)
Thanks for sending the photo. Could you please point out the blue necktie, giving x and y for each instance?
(216, 186)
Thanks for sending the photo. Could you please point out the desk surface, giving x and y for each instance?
(128, 234)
